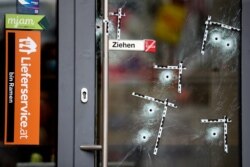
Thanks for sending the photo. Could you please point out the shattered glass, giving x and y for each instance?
(210, 84)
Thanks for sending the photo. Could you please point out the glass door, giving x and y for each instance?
(174, 83)
(175, 95)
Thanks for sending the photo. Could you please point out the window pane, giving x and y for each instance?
(196, 67)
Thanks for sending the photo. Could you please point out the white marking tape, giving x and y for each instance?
(225, 121)
(205, 35)
(180, 67)
(160, 130)
(119, 15)
(209, 22)
(166, 103)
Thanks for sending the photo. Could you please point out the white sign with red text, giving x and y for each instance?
(146, 45)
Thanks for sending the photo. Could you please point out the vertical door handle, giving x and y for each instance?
(105, 85)
(105, 55)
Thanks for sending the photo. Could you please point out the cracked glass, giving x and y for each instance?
(178, 105)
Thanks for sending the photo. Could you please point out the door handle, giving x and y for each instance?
(91, 147)
(105, 55)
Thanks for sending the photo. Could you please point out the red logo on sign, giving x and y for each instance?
(150, 46)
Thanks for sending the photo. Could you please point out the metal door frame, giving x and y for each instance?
(66, 83)
(245, 82)
(77, 70)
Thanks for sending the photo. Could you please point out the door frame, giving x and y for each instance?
(245, 82)
(76, 120)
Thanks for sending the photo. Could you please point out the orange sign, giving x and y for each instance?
(22, 91)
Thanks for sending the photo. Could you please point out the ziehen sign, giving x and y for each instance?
(22, 96)
(146, 45)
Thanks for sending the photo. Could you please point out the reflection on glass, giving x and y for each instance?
(209, 84)
(46, 151)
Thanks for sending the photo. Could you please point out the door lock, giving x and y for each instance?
(84, 95)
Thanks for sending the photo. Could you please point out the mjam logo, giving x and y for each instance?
(25, 21)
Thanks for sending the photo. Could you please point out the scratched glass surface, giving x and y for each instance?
(204, 129)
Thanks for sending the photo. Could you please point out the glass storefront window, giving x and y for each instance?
(204, 129)
(45, 153)
(174, 101)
